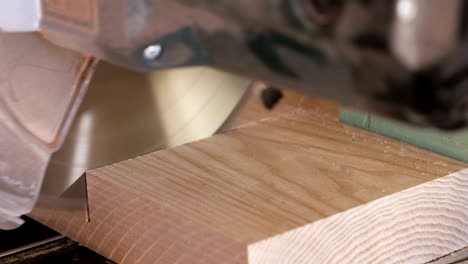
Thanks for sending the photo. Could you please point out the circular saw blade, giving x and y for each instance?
(127, 114)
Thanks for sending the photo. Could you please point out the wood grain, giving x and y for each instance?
(412, 226)
(292, 188)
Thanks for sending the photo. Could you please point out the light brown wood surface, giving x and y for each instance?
(412, 226)
(295, 187)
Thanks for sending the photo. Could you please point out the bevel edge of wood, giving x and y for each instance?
(458, 257)
(434, 209)
(151, 223)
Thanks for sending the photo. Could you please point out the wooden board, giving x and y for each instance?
(296, 187)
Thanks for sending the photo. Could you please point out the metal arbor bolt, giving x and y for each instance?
(152, 52)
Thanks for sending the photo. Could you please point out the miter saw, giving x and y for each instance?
(402, 58)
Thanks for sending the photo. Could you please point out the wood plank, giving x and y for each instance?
(292, 188)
